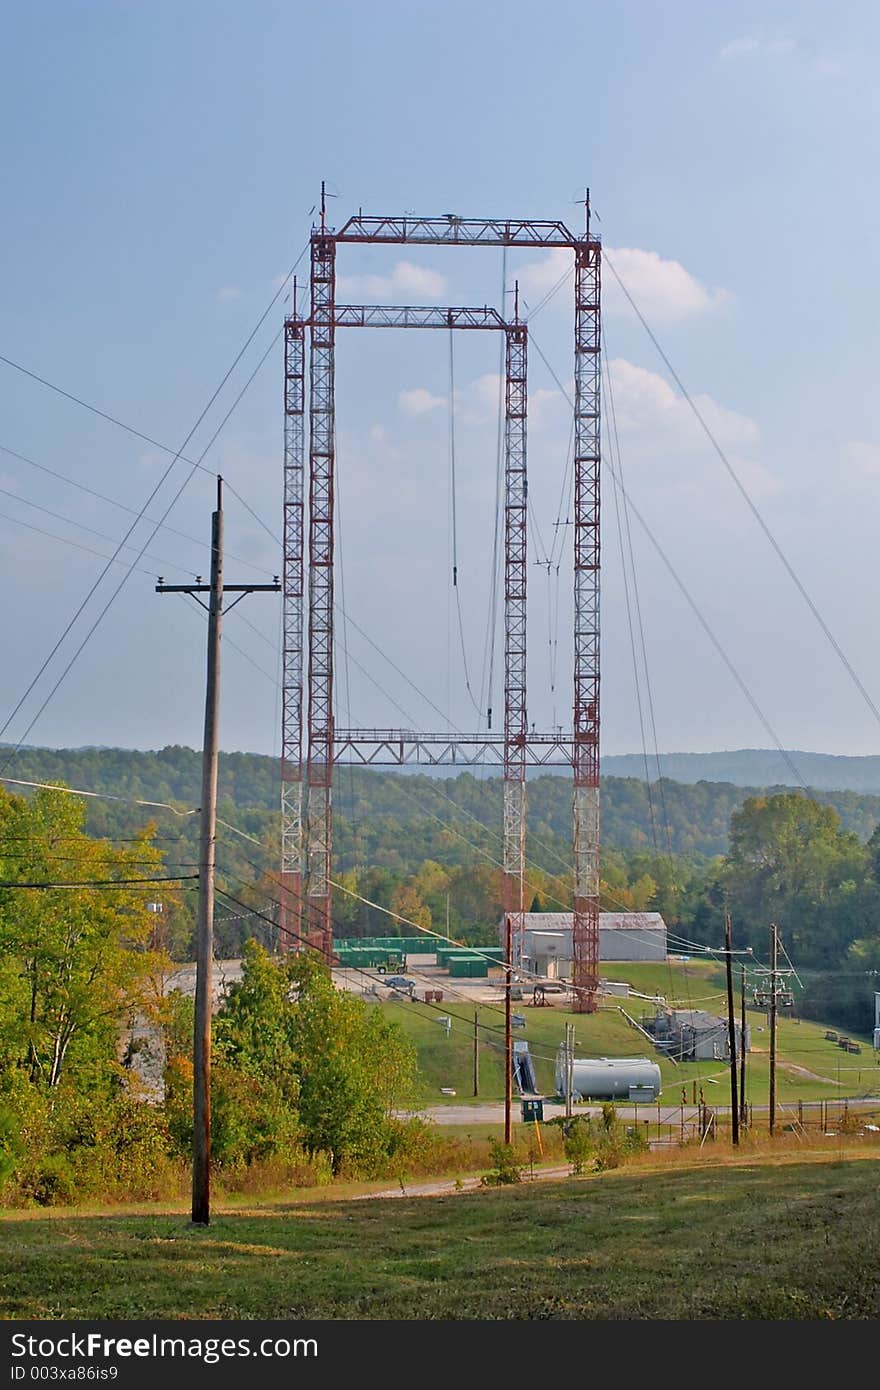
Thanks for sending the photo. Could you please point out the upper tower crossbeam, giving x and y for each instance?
(456, 231)
(415, 316)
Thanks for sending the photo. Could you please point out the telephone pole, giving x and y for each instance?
(774, 961)
(201, 1202)
(731, 1029)
(743, 1113)
(476, 1052)
(508, 1035)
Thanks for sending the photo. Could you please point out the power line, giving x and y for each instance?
(704, 623)
(777, 548)
(130, 429)
(102, 796)
(632, 641)
(69, 521)
(77, 545)
(105, 882)
(149, 539)
(122, 506)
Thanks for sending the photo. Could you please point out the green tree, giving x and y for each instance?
(353, 1067)
(74, 962)
(791, 863)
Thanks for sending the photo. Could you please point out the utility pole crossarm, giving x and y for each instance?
(163, 588)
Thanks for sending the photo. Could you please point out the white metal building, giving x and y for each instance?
(547, 947)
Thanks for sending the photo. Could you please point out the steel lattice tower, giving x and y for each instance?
(585, 754)
(517, 748)
(322, 468)
(515, 572)
(292, 638)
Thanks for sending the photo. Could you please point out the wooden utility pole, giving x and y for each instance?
(774, 961)
(742, 1054)
(205, 925)
(201, 1188)
(476, 1053)
(731, 1029)
(508, 1034)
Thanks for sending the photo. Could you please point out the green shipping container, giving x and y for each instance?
(468, 966)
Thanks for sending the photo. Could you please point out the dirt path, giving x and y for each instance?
(448, 1186)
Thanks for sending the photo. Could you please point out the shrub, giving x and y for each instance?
(505, 1168)
(580, 1147)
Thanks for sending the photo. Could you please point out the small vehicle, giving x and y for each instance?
(400, 983)
(394, 963)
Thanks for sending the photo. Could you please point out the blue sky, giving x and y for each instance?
(160, 166)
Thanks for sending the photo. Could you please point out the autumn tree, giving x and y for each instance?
(76, 961)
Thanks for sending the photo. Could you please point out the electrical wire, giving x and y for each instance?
(102, 535)
(777, 548)
(114, 502)
(77, 545)
(105, 882)
(487, 679)
(102, 796)
(632, 644)
(148, 541)
(692, 604)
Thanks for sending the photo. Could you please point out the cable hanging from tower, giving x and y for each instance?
(454, 510)
(492, 616)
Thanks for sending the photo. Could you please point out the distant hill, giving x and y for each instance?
(756, 767)
(383, 818)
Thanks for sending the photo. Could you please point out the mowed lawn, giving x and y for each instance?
(810, 1067)
(763, 1240)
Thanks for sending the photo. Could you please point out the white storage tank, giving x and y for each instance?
(608, 1078)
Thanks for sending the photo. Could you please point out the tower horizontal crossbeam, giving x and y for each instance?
(456, 231)
(415, 316)
(405, 747)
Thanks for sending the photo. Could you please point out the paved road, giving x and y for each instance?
(492, 1113)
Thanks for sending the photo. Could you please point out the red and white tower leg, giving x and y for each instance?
(515, 567)
(585, 759)
(320, 675)
(292, 641)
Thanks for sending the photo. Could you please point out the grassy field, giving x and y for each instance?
(804, 1053)
(789, 1238)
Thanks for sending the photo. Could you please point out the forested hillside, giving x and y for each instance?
(427, 851)
(398, 820)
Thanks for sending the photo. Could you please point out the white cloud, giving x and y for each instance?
(664, 291)
(477, 403)
(537, 278)
(758, 47)
(418, 401)
(228, 293)
(542, 403)
(667, 443)
(646, 405)
(865, 457)
(751, 44)
(757, 480)
(406, 281)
